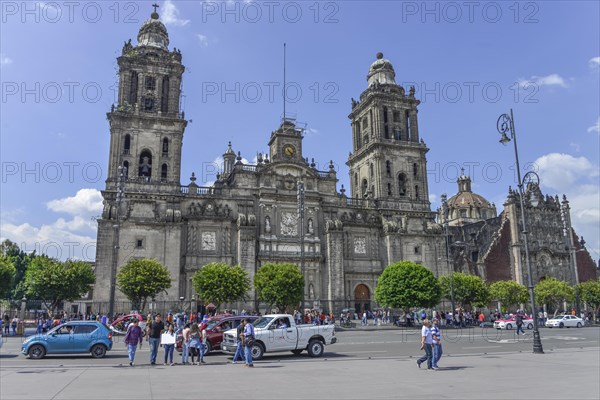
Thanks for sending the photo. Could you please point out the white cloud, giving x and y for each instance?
(561, 171)
(170, 15)
(595, 127)
(5, 60)
(203, 39)
(86, 201)
(548, 80)
(594, 63)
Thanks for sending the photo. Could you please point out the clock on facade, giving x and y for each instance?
(289, 150)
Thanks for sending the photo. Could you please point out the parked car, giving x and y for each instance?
(271, 337)
(511, 322)
(561, 321)
(215, 327)
(71, 337)
(119, 326)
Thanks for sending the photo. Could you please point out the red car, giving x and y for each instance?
(215, 328)
(511, 322)
(119, 325)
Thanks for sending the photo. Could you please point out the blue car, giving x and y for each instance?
(71, 337)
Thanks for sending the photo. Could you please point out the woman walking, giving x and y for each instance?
(169, 347)
(194, 343)
(132, 339)
(185, 351)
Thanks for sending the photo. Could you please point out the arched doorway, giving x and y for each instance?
(362, 299)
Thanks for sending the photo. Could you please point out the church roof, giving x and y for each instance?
(153, 33)
(381, 72)
(465, 197)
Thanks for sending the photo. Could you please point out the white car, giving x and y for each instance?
(561, 321)
(511, 322)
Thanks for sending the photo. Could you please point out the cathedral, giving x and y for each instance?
(283, 209)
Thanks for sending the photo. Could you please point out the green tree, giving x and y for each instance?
(141, 279)
(220, 283)
(468, 289)
(54, 281)
(552, 292)
(509, 293)
(7, 275)
(589, 292)
(281, 285)
(406, 284)
(20, 261)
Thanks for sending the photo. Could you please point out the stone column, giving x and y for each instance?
(334, 275)
(246, 249)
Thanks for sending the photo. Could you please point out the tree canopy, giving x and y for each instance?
(141, 279)
(552, 292)
(20, 260)
(509, 293)
(406, 284)
(281, 285)
(54, 281)
(220, 283)
(589, 291)
(468, 289)
(7, 275)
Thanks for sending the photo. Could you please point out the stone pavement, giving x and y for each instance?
(571, 374)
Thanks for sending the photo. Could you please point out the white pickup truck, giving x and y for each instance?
(278, 332)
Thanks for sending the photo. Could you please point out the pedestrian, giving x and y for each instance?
(6, 323)
(248, 342)
(427, 345)
(13, 325)
(363, 321)
(203, 344)
(239, 351)
(155, 329)
(437, 343)
(519, 321)
(185, 344)
(169, 347)
(194, 344)
(133, 337)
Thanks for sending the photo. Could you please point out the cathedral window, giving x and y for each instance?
(125, 169)
(417, 250)
(163, 173)
(150, 83)
(397, 134)
(145, 162)
(463, 213)
(402, 184)
(388, 168)
(371, 170)
(415, 170)
(164, 99)
(133, 88)
(386, 132)
(389, 185)
(365, 122)
(385, 115)
(139, 243)
(165, 147)
(407, 125)
(417, 192)
(474, 256)
(127, 144)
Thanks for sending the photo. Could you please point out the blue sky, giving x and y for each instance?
(470, 62)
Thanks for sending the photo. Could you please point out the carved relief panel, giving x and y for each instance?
(289, 224)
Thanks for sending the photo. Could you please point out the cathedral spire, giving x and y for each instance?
(153, 33)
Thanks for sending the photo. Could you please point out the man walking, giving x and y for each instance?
(133, 337)
(519, 321)
(155, 330)
(248, 341)
(437, 343)
(239, 351)
(426, 344)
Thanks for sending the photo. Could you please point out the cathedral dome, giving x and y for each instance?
(153, 33)
(381, 72)
(468, 207)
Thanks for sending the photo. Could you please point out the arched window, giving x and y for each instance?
(165, 147)
(163, 172)
(125, 169)
(415, 170)
(416, 191)
(145, 164)
(164, 99)
(127, 144)
(402, 184)
(389, 189)
(371, 170)
(388, 168)
(133, 87)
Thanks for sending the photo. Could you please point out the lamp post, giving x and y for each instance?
(506, 124)
(117, 228)
(300, 194)
(445, 213)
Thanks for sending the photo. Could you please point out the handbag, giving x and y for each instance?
(249, 341)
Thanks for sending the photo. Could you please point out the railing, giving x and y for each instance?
(385, 204)
(201, 190)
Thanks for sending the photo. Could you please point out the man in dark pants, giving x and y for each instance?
(427, 345)
(519, 321)
(155, 330)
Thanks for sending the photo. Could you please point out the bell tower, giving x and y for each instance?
(387, 161)
(146, 126)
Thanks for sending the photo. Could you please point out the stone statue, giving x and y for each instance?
(267, 224)
(310, 226)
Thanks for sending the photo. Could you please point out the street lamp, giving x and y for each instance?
(300, 193)
(506, 124)
(445, 213)
(117, 228)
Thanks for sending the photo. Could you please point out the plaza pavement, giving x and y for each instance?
(561, 374)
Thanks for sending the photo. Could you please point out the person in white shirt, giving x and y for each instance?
(427, 345)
